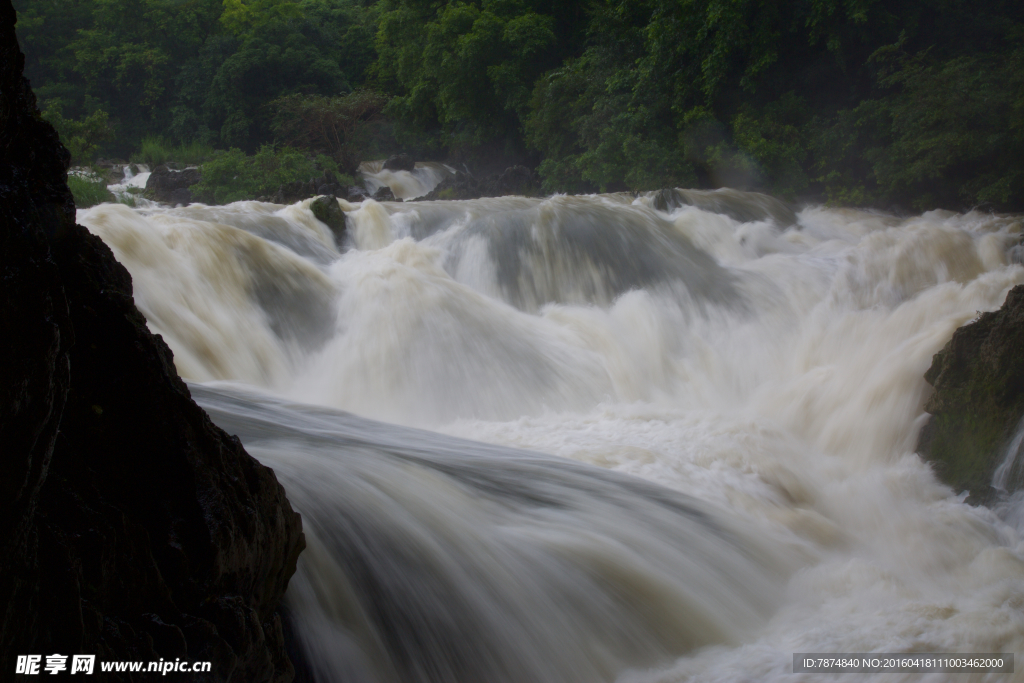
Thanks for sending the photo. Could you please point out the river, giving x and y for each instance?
(595, 438)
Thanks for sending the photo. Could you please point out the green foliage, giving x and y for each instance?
(840, 150)
(194, 152)
(593, 138)
(155, 151)
(350, 128)
(242, 16)
(193, 70)
(128, 199)
(469, 67)
(82, 138)
(88, 190)
(957, 131)
(774, 140)
(909, 102)
(233, 176)
(913, 103)
(271, 62)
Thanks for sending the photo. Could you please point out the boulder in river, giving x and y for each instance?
(131, 527)
(384, 194)
(399, 162)
(172, 187)
(328, 211)
(355, 193)
(978, 402)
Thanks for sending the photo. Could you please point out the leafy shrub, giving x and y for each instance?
(82, 138)
(88, 190)
(956, 131)
(233, 176)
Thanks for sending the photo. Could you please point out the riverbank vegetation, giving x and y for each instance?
(232, 176)
(912, 104)
(88, 190)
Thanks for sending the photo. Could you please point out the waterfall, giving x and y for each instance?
(130, 180)
(594, 438)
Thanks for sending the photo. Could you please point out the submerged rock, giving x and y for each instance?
(328, 212)
(978, 400)
(736, 204)
(131, 527)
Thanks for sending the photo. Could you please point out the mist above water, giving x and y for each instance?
(720, 410)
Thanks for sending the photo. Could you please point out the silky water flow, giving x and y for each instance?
(596, 438)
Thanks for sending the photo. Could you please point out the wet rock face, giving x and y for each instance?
(131, 527)
(354, 193)
(384, 194)
(35, 337)
(328, 212)
(172, 187)
(399, 162)
(978, 400)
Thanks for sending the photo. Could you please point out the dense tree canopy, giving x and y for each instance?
(897, 103)
(192, 69)
(906, 102)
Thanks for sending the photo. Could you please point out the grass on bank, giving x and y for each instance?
(156, 151)
(88, 190)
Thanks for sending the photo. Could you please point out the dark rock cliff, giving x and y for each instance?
(978, 400)
(131, 527)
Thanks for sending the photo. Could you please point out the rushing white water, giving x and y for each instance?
(720, 419)
(423, 178)
(131, 180)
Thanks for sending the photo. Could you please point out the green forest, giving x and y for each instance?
(905, 104)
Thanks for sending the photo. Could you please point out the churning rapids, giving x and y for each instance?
(600, 438)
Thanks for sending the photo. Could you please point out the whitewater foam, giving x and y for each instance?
(770, 375)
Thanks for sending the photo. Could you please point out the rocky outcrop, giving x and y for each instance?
(131, 527)
(171, 186)
(385, 194)
(978, 400)
(355, 193)
(514, 180)
(399, 162)
(328, 212)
